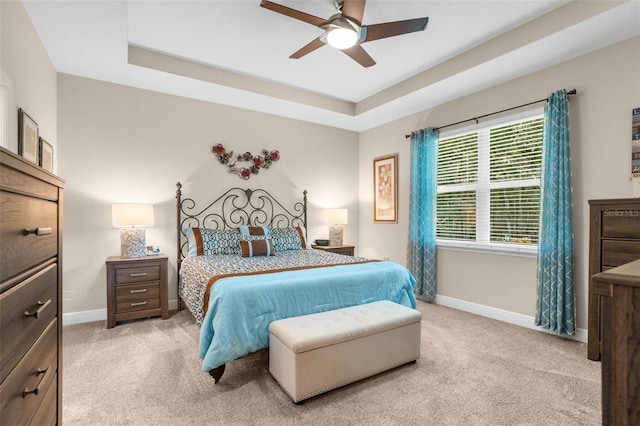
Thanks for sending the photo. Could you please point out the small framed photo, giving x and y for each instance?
(46, 155)
(27, 137)
(153, 250)
(385, 189)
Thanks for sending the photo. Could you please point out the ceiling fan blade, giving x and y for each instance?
(390, 29)
(296, 14)
(353, 9)
(315, 44)
(358, 54)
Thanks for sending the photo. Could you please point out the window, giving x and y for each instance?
(489, 185)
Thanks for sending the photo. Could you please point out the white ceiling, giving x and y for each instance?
(237, 53)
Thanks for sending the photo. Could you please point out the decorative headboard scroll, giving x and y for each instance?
(235, 207)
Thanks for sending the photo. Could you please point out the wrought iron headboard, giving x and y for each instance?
(237, 206)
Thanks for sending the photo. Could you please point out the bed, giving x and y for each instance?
(244, 261)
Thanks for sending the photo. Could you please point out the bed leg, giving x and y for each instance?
(217, 373)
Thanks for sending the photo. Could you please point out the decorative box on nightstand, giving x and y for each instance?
(346, 250)
(136, 288)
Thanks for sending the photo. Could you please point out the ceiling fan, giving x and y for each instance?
(345, 31)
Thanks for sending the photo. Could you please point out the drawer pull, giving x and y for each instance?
(139, 303)
(35, 390)
(38, 231)
(142, 290)
(36, 313)
(138, 274)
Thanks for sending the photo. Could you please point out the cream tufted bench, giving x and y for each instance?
(311, 354)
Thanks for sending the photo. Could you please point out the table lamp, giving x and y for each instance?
(337, 217)
(131, 218)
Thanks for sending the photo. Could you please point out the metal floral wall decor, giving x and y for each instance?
(254, 162)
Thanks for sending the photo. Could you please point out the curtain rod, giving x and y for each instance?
(570, 92)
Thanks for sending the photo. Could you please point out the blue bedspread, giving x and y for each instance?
(241, 308)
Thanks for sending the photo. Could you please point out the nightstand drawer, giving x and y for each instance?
(130, 293)
(137, 275)
(347, 251)
(133, 298)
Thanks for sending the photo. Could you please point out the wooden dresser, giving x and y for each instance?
(614, 239)
(619, 293)
(30, 293)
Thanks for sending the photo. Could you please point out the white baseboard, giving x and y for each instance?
(502, 315)
(84, 316)
(97, 315)
(462, 305)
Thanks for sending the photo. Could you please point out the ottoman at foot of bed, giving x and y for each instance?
(315, 353)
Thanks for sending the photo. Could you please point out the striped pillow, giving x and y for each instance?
(257, 246)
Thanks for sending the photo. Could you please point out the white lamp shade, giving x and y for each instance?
(336, 216)
(132, 215)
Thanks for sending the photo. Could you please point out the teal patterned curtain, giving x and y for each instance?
(421, 251)
(556, 299)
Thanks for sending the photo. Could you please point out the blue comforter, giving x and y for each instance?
(241, 308)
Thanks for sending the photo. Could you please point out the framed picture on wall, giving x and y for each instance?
(27, 137)
(385, 189)
(46, 155)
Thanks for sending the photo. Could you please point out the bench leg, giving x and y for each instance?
(217, 373)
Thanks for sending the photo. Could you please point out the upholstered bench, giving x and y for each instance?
(312, 354)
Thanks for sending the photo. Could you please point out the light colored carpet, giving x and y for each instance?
(472, 371)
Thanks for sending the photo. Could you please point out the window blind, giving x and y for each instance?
(489, 184)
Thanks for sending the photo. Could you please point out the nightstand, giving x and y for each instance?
(346, 250)
(136, 288)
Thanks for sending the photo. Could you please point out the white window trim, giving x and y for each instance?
(494, 248)
(484, 246)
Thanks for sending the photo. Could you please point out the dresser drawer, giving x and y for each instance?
(137, 274)
(619, 252)
(28, 385)
(25, 311)
(132, 298)
(19, 252)
(621, 222)
(46, 414)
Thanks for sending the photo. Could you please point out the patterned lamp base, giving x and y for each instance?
(132, 242)
(335, 235)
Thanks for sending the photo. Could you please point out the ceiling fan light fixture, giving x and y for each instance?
(342, 38)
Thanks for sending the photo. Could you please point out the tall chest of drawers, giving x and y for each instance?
(614, 240)
(30, 293)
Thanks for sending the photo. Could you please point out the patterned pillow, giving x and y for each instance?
(203, 242)
(288, 238)
(256, 246)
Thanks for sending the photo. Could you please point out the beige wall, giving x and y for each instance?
(27, 78)
(119, 144)
(608, 85)
(115, 144)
